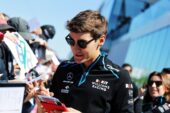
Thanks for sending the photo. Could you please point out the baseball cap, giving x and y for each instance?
(21, 27)
(4, 26)
(48, 31)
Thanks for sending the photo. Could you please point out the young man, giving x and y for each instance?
(91, 83)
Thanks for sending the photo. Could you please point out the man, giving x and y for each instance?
(91, 83)
(137, 98)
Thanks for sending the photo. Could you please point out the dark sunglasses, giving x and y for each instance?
(81, 43)
(158, 83)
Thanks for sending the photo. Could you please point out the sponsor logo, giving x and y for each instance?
(129, 86)
(65, 90)
(130, 93)
(100, 85)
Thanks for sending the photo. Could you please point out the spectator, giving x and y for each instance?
(165, 106)
(5, 54)
(137, 99)
(166, 70)
(91, 83)
(21, 27)
(166, 81)
(45, 32)
(155, 91)
(3, 74)
(39, 45)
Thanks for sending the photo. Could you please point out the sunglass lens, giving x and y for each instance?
(82, 43)
(70, 41)
(158, 83)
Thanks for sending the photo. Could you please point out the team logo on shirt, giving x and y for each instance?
(100, 85)
(69, 76)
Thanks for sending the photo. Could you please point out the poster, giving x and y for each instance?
(21, 51)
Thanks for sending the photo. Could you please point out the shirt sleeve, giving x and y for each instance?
(124, 96)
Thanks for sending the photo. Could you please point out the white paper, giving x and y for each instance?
(11, 99)
(21, 51)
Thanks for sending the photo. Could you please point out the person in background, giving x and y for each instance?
(3, 73)
(165, 108)
(106, 86)
(154, 93)
(21, 26)
(5, 54)
(166, 70)
(48, 66)
(45, 32)
(137, 99)
(160, 104)
(39, 43)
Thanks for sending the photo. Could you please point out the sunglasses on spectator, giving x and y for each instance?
(81, 43)
(157, 83)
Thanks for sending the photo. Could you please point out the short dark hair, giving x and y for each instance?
(88, 21)
(127, 65)
(166, 70)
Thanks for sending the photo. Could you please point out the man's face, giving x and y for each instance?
(90, 52)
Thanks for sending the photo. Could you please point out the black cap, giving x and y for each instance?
(21, 27)
(48, 31)
(5, 27)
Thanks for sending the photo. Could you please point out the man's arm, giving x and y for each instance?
(124, 95)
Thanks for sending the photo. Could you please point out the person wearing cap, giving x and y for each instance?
(39, 44)
(45, 32)
(3, 73)
(21, 26)
(3, 24)
(5, 54)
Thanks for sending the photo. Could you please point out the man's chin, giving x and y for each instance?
(78, 61)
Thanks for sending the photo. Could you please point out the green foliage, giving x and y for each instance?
(141, 81)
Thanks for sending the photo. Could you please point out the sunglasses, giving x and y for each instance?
(158, 83)
(81, 43)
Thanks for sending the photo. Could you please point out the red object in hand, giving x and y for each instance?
(1, 36)
(51, 104)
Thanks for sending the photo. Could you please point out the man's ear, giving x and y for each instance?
(102, 40)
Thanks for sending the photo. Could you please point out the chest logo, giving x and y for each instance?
(100, 85)
(69, 76)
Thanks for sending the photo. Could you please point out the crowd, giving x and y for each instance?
(89, 82)
(37, 41)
